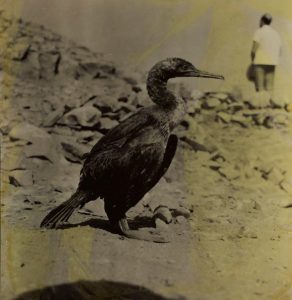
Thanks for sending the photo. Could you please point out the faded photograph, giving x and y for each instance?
(146, 149)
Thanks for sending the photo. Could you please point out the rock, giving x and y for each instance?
(225, 117)
(95, 70)
(106, 124)
(47, 107)
(136, 88)
(214, 165)
(21, 49)
(210, 103)
(61, 131)
(132, 78)
(286, 185)
(28, 133)
(74, 152)
(127, 108)
(180, 219)
(163, 213)
(280, 101)
(276, 175)
(280, 119)
(259, 119)
(284, 201)
(229, 172)
(268, 122)
(112, 116)
(181, 211)
(44, 149)
(236, 95)
(86, 116)
(193, 106)
(196, 94)
(288, 107)
(21, 178)
(63, 185)
(235, 106)
(89, 137)
(142, 99)
(221, 96)
(251, 235)
(240, 119)
(276, 120)
(160, 224)
(13, 160)
(49, 64)
(137, 210)
(31, 67)
(256, 205)
(106, 104)
(54, 117)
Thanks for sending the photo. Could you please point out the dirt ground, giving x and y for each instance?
(236, 244)
(229, 189)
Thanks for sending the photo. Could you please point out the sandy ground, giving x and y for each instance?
(232, 172)
(236, 245)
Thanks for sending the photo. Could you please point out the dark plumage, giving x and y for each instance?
(131, 158)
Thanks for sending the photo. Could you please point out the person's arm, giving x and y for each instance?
(255, 46)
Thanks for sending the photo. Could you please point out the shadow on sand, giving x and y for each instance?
(135, 224)
(93, 290)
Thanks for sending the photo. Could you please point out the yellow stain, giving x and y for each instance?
(197, 8)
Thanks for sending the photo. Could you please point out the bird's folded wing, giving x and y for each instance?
(124, 132)
(114, 150)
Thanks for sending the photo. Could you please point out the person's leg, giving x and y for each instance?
(259, 77)
(269, 78)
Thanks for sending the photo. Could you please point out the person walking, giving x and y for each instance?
(265, 54)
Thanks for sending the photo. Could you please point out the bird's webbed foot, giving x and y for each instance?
(150, 235)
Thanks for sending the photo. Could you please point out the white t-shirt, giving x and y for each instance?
(269, 41)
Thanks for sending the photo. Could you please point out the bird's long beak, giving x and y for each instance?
(204, 74)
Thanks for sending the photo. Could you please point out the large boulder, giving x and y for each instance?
(21, 178)
(85, 116)
(75, 152)
(106, 124)
(40, 144)
(27, 132)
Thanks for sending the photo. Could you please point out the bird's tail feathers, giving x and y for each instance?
(62, 213)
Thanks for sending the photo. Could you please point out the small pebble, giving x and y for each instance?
(163, 213)
(170, 261)
(159, 224)
(169, 282)
(256, 205)
(182, 211)
(180, 219)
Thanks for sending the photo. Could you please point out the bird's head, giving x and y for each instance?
(178, 67)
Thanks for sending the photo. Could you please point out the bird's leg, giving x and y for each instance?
(152, 236)
(119, 221)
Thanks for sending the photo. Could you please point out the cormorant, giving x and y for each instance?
(131, 158)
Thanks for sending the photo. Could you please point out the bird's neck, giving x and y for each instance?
(159, 94)
(173, 106)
